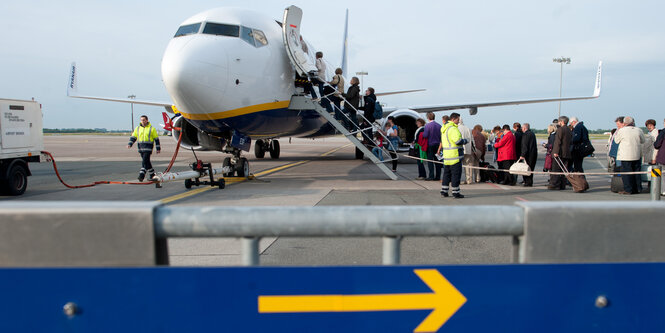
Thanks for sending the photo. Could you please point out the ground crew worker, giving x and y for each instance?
(145, 134)
(452, 145)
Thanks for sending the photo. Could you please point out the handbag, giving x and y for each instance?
(520, 168)
(586, 149)
(414, 152)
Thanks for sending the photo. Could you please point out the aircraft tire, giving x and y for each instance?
(274, 149)
(17, 182)
(359, 154)
(243, 168)
(227, 162)
(259, 149)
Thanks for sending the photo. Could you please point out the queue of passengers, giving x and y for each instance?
(568, 142)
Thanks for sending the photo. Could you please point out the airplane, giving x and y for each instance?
(230, 73)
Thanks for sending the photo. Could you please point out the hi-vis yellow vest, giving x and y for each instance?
(145, 134)
(450, 136)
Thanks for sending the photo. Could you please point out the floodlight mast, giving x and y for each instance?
(561, 60)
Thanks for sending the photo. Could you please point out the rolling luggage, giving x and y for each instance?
(488, 175)
(578, 182)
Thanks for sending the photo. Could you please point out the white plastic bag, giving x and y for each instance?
(520, 168)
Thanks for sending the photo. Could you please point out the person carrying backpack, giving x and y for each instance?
(369, 100)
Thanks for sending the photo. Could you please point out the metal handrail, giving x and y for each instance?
(359, 129)
(346, 221)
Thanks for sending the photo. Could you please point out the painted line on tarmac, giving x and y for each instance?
(499, 187)
(521, 199)
(235, 180)
(336, 149)
(229, 181)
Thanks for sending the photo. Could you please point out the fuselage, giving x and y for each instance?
(227, 70)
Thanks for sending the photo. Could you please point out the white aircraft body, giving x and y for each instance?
(230, 74)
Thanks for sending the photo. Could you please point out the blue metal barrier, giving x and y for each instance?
(494, 298)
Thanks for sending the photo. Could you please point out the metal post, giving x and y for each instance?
(391, 250)
(250, 251)
(132, 105)
(561, 61)
(656, 176)
(560, 87)
(516, 248)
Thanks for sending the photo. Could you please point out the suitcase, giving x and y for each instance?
(578, 182)
(488, 175)
(617, 184)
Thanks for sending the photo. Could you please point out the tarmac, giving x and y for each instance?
(321, 172)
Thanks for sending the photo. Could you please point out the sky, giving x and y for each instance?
(460, 51)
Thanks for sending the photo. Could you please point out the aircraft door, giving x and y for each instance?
(296, 48)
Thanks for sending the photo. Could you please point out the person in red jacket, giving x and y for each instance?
(506, 155)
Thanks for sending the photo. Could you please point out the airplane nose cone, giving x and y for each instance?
(195, 73)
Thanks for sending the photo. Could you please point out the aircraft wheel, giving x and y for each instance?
(274, 149)
(227, 163)
(359, 154)
(188, 183)
(259, 149)
(18, 180)
(243, 168)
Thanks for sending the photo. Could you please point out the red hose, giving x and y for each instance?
(55, 168)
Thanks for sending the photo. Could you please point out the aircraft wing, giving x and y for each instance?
(72, 92)
(473, 107)
(398, 92)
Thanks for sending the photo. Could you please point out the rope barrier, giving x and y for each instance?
(538, 172)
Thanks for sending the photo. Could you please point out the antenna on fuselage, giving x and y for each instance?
(346, 43)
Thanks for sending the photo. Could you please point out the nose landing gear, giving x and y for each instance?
(239, 165)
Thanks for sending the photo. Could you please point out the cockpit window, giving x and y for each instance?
(221, 29)
(260, 38)
(254, 37)
(188, 29)
(246, 35)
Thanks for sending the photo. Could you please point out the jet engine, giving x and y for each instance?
(406, 121)
(193, 138)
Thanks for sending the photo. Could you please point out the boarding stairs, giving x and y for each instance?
(306, 103)
(304, 64)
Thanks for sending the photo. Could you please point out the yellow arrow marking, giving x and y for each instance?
(444, 301)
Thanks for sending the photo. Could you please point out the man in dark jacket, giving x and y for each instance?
(352, 97)
(368, 114)
(580, 136)
(529, 151)
(369, 100)
(561, 150)
(518, 139)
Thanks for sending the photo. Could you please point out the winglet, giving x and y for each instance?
(72, 87)
(599, 75)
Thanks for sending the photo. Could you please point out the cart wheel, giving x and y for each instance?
(17, 181)
(188, 183)
(222, 184)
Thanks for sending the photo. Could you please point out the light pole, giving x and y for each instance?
(362, 75)
(132, 97)
(562, 61)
